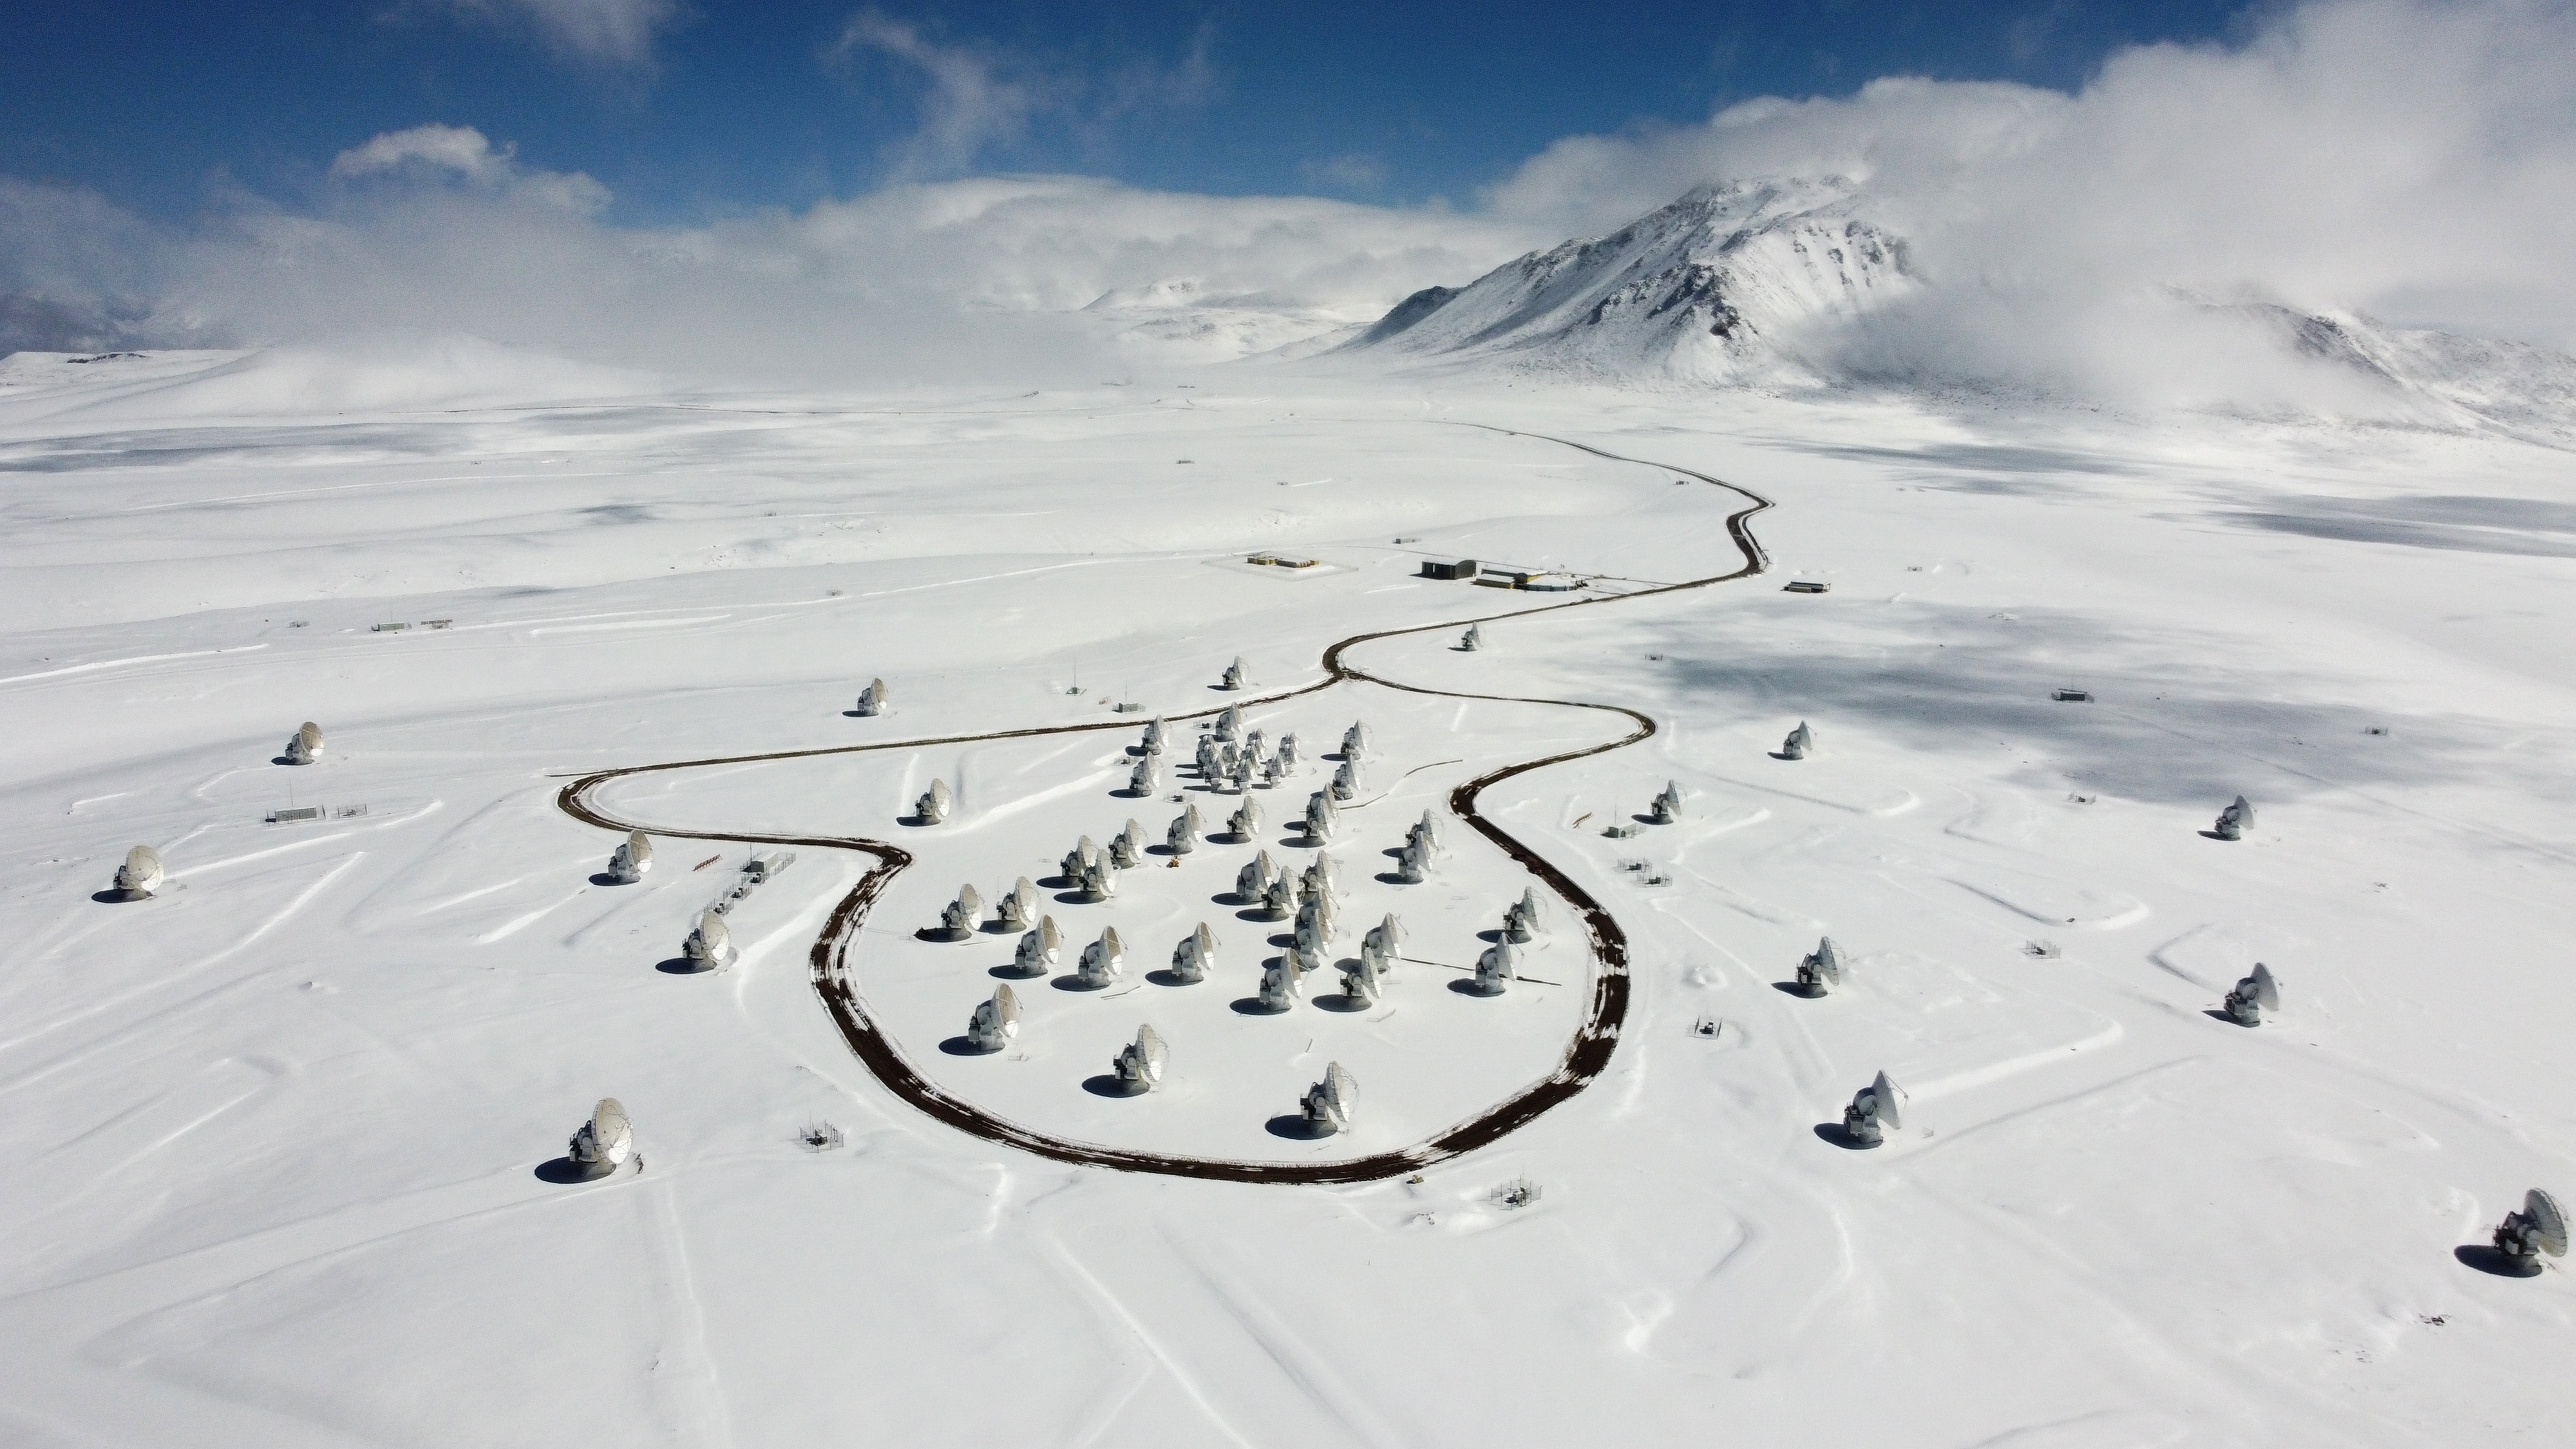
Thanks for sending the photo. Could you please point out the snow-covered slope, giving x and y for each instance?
(1718, 286)
(2518, 386)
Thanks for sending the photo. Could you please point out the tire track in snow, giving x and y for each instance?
(1586, 1055)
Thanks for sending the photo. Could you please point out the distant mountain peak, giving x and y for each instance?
(1715, 285)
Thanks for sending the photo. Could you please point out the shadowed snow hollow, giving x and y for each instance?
(1720, 286)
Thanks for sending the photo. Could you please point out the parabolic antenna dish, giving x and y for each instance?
(2548, 1222)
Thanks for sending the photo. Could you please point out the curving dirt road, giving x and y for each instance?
(1586, 1054)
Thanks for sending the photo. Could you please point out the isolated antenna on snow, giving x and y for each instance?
(1473, 639)
(1875, 1110)
(995, 1021)
(2235, 820)
(1821, 970)
(934, 803)
(710, 945)
(1800, 743)
(2253, 996)
(1496, 969)
(874, 700)
(2541, 1227)
(1331, 1103)
(1668, 805)
(1235, 675)
(141, 874)
(305, 745)
(627, 863)
(602, 1144)
(1139, 1065)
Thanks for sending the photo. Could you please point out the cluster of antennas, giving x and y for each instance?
(1800, 743)
(934, 804)
(634, 856)
(874, 700)
(2234, 821)
(601, 1145)
(2253, 996)
(304, 746)
(1232, 755)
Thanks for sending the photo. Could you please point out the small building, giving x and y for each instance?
(1464, 568)
(1806, 586)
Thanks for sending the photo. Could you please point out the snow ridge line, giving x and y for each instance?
(1587, 1054)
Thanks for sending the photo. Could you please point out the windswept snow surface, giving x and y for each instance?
(282, 1139)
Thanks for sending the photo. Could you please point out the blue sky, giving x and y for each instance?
(709, 110)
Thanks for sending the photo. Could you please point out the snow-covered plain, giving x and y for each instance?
(276, 1136)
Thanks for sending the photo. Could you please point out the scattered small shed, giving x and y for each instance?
(1806, 586)
(1433, 568)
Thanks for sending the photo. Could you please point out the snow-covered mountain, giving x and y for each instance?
(1719, 286)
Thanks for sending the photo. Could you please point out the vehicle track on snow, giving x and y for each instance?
(1587, 1054)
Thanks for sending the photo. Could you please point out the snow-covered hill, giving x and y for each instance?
(1719, 286)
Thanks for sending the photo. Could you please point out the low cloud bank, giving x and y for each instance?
(2410, 160)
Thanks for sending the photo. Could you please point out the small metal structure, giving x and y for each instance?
(2071, 696)
(1800, 743)
(601, 1145)
(1331, 1104)
(1473, 639)
(963, 915)
(1496, 970)
(2253, 996)
(141, 874)
(2235, 820)
(1805, 586)
(934, 804)
(305, 745)
(2541, 1227)
(1040, 948)
(1235, 675)
(1195, 956)
(1875, 1110)
(1667, 807)
(709, 946)
(874, 700)
(1821, 970)
(1103, 960)
(994, 1022)
(1464, 568)
(633, 857)
(1139, 1065)
(1522, 919)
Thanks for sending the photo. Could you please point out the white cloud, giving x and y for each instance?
(614, 33)
(967, 106)
(2405, 158)
(1343, 173)
(469, 155)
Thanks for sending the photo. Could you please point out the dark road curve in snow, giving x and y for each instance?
(1587, 1054)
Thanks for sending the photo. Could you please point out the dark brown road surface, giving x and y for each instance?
(1586, 1055)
